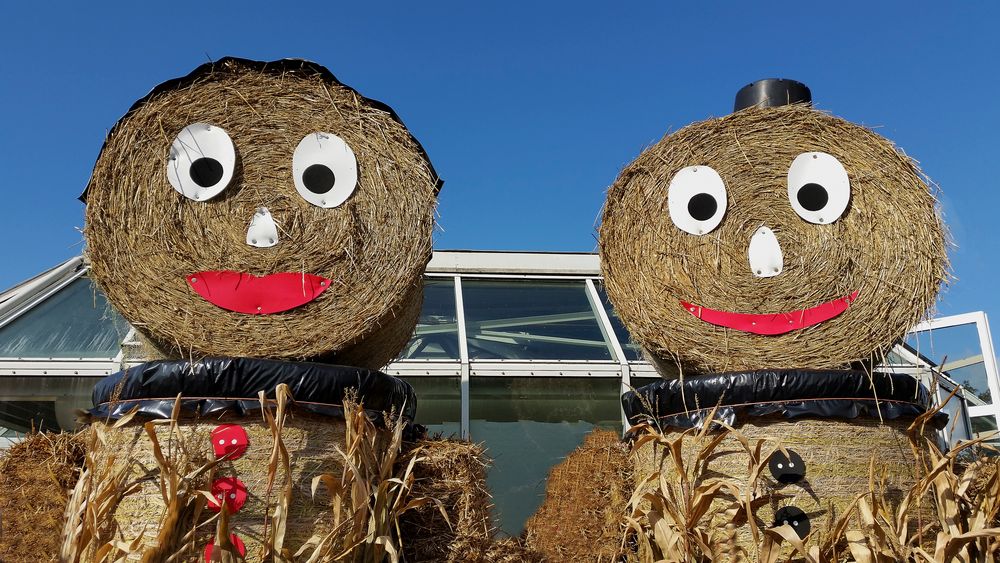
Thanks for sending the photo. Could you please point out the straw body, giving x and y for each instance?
(309, 440)
(839, 456)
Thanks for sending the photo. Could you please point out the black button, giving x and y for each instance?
(206, 172)
(789, 469)
(318, 179)
(795, 518)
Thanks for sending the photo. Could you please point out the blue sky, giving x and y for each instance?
(528, 109)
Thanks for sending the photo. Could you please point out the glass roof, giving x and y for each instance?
(532, 320)
(75, 322)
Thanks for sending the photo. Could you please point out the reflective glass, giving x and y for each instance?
(956, 351)
(439, 404)
(957, 414)
(633, 352)
(531, 320)
(638, 382)
(436, 336)
(75, 322)
(43, 402)
(530, 425)
(984, 426)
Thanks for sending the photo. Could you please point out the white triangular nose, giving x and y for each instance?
(765, 254)
(262, 232)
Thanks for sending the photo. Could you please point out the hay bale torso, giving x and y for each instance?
(839, 457)
(841, 440)
(192, 449)
(308, 438)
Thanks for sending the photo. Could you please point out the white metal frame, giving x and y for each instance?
(31, 302)
(979, 319)
(465, 368)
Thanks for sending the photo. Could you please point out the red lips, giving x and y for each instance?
(247, 293)
(772, 324)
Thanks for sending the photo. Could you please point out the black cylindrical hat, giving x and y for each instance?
(772, 92)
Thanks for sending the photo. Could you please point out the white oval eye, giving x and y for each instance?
(324, 169)
(696, 199)
(818, 188)
(201, 162)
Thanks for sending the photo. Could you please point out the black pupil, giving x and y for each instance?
(813, 197)
(206, 172)
(318, 179)
(702, 207)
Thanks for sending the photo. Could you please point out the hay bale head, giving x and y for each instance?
(774, 236)
(263, 210)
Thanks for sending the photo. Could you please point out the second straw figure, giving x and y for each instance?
(766, 261)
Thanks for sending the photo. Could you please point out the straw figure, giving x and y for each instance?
(241, 217)
(766, 260)
(263, 210)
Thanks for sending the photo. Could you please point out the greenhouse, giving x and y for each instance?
(518, 350)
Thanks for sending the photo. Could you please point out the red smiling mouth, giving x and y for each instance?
(774, 323)
(247, 293)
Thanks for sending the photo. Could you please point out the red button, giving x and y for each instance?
(230, 490)
(236, 541)
(229, 440)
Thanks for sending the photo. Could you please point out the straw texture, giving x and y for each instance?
(889, 245)
(36, 475)
(453, 472)
(308, 440)
(143, 237)
(838, 456)
(585, 502)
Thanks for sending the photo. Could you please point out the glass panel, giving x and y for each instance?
(955, 350)
(633, 352)
(23, 416)
(532, 320)
(638, 382)
(957, 414)
(436, 336)
(531, 424)
(76, 322)
(43, 402)
(439, 404)
(984, 426)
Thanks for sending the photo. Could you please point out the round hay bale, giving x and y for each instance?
(837, 455)
(36, 475)
(308, 439)
(146, 241)
(453, 472)
(586, 498)
(887, 246)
